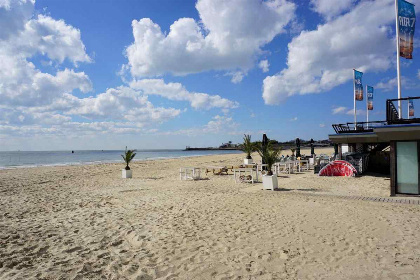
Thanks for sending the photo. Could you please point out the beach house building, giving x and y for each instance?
(391, 147)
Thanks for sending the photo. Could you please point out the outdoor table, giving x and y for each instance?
(288, 164)
(304, 162)
(245, 170)
(260, 168)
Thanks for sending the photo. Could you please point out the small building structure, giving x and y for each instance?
(391, 147)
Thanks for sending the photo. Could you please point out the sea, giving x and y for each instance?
(19, 159)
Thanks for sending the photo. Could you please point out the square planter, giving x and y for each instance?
(270, 182)
(248, 161)
(127, 174)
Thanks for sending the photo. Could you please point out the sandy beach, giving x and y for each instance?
(85, 222)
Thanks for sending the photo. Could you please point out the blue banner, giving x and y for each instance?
(407, 24)
(410, 108)
(369, 97)
(358, 87)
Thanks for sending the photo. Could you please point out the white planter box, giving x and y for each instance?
(270, 182)
(248, 161)
(127, 174)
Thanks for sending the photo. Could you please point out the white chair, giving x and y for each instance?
(189, 173)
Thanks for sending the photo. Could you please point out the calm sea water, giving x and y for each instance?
(53, 158)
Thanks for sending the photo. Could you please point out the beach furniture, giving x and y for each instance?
(189, 173)
(311, 162)
(304, 164)
(244, 175)
(284, 167)
(217, 170)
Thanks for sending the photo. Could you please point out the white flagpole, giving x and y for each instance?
(354, 98)
(367, 108)
(398, 59)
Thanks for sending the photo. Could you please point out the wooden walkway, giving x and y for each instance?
(401, 200)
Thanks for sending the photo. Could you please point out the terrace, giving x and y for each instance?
(392, 118)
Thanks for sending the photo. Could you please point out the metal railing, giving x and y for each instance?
(392, 116)
(391, 112)
(357, 127)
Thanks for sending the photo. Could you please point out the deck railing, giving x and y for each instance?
(392, 117)
(357, 127)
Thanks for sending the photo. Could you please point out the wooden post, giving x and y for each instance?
(340, 152)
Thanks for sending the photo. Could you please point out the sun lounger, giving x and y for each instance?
(217, 170)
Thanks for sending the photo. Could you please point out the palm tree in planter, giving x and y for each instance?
(270, 157)
(248, 147)
(128, 157)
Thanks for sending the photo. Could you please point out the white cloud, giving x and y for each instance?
(21, 83)
(294, 119)
(358, 112)
(237, 76)
(338, 110)
(13, 15)
(228, 36)
(117, 110)
(53, 38)
(391, 84)
(264, 65)
(347, 111)
(36, 103)
(121, 103)
(330, 9)
(321, 59)
(321, 125)
(176, 91)
(218, 124)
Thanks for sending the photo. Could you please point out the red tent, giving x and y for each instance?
(338, 168)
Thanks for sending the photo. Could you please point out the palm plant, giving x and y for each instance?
(248, 147)
(269, 155)
(128, 157)
(293, 151)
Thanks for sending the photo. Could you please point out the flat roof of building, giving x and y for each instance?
(380, 134)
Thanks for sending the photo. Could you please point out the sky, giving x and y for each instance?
(166, 74)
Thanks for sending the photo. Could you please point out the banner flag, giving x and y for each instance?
(358, 87)
(410, 108)
(406, 26)
(369, 97)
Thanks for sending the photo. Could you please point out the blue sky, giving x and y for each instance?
(194, 73)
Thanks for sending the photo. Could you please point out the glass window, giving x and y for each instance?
(407, 168)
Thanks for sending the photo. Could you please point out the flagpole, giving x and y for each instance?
(354, 98)
(397, 29)
(367, 108)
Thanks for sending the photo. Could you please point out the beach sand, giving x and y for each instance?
(85, 222)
